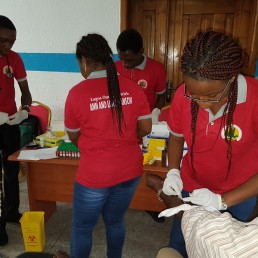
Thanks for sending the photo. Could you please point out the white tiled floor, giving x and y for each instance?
(144, 236)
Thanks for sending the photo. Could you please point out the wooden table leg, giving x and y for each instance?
(48, 207)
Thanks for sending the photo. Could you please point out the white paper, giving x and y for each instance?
(46, 153)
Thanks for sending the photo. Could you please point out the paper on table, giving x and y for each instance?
(47, 153)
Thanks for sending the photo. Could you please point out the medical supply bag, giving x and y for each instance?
(29, 129)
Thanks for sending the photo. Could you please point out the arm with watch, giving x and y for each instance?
(173, 184)
(26, 100)
(243, 192)
(209, 200)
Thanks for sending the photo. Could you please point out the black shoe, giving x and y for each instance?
(154, 215)
(3, 236)
(14, 218)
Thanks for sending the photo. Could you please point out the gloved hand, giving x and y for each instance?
(155, 115)
(3, 118)
(17, 117)
(205, 197)
(173, 184)
(145, 141)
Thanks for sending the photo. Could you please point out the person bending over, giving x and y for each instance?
(147, 72)
(215, 112)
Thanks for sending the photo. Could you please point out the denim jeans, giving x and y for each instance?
(89, 203)
(241, 211)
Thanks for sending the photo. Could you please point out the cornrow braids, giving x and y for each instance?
(96, 48)
(214, 56)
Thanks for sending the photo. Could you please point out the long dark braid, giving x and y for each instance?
(96, 48)
(214, 56)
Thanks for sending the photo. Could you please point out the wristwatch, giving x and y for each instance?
(224, 206)
(26, 107)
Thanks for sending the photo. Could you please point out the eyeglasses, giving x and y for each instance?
(207, 100)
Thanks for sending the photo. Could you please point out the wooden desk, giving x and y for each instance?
(51, 181)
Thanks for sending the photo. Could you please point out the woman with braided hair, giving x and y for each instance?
(215, 112)
(104, 116)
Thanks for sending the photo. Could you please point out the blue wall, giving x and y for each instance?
(52, 62)
(60, 62)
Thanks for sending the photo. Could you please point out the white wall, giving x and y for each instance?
(55, 26)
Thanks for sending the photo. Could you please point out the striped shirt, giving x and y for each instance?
(215, 234)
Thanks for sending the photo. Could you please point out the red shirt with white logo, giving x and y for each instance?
(150, 75)
(7, 90)
(210, 150)
(107, 158)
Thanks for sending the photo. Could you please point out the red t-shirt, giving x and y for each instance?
(7, 90)
(150, 75)
(210, 149)
(107, 158)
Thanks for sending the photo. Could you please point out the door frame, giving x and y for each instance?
(253, 56)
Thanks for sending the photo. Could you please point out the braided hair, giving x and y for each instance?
(95, 48)
(214, 56)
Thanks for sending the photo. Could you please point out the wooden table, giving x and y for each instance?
(50, 181)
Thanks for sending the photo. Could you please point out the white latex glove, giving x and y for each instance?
(155, 115)
(173, 184)
(145, 141)
(17, 117)
(172, 211)
(205, 197)
(3, 118)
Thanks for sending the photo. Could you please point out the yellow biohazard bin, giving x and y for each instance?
(33, 230)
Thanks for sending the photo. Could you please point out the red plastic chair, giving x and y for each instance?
(43, 112)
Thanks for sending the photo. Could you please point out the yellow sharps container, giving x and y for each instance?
(33, 230)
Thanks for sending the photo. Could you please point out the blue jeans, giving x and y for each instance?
(241, 211)
(89, 203)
